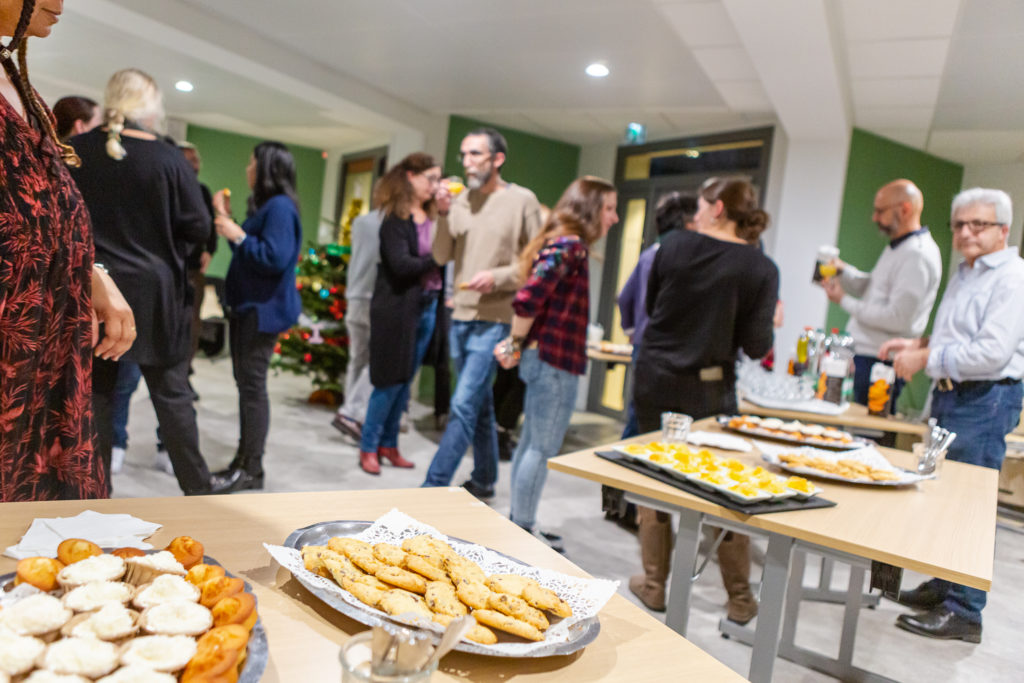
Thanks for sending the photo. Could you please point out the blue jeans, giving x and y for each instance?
(384, 411)
(632, 427)
(981, 418)
(471, 419)
(550, 397)
(128, 375)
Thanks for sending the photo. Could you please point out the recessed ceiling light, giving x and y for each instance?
(597, 70)
(184, 86)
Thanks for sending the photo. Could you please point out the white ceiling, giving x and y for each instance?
(942, 75)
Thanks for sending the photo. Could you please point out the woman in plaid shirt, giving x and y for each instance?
(549, 332)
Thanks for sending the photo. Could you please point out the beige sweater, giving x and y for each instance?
(487, 232)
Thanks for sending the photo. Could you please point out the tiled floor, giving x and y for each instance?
(305, 453)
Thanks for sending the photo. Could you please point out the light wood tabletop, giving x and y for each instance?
(305, 635)
(855, 416)
(607, 357)
(943, 527)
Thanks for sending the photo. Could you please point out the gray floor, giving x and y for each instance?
(305, 453)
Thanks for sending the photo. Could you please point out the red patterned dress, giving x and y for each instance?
(46, 257)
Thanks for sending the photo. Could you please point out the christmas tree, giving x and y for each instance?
(318, 345)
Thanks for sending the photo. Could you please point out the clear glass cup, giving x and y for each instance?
(928, 463)
(675, 427)
(355, 664)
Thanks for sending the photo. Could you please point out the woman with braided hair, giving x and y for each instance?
(52, 295)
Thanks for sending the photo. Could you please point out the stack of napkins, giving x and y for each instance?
(106, 531)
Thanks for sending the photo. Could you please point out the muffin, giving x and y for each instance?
(112, 622)
(39, 615)
(95, 568)
(159, 653)
(165, 588)
(176, 618)
(18, 653)
(80, 657)
(92, 596)
(147, 567)
(137, 674)
(43, 676)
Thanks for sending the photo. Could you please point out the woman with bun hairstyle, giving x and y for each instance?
(711, 293)
(403, 310)
(52, 293)
(548, 337)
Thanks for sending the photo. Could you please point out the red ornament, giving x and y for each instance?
(334, 290)
(298, 285)
(306, 336)
(277, 348)
(307, 358)
(286, 336)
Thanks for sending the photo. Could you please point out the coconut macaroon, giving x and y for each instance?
(165, 588)
(137, 674)
(39, 615)
(158, 653)
(95, 568)
(44, 676)
(111, 622)
(176, 618)
(18, 653)
(92, 596)
(145, 568)
(80, 657)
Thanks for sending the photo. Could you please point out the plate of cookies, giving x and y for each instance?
(129, 615)
(792, 431)
(398, 570)
(862, 466)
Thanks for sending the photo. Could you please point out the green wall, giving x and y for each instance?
(541, 164)
(873, 162)
(225, 156)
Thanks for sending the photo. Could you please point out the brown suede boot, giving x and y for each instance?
(734, 562)
(655, 536)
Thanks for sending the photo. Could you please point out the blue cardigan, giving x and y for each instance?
(262, 271)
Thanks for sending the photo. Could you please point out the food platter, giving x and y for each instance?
(793, 432)
(257, 652)
(571, 635)
(868, 457)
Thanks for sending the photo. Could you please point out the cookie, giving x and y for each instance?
(431, 549)
(461, 569)
(366, 594)
(389, 554)
(473, 593)
(441, 598)
(403, 579)
(512, 584)
(424, 567)
(478, 634)
(342, 544)
(543, 598)
(508, 624)
(399, 602)
(364, 559)
(517, 607)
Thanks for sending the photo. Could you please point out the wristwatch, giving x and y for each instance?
(237, 242)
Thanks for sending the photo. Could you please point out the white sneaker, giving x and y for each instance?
(116, 460)
(163, 462)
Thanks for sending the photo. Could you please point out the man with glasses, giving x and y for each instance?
(976, 357)
(483, 231)
(896, 297)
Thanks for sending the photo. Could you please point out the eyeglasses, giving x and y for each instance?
(976, 227)
(431, 178)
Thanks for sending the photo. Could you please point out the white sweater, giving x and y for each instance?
(896, 297)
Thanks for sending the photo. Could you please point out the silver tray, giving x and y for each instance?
(858, 442)
(583, 633)
(258, 651)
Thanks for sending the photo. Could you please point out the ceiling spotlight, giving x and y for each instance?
(597, 70)
(184, 86)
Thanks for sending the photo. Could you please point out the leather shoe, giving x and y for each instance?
(478, 491)
(394, 457)
(348, 426)
(238, 480)
(941, 623)
(921, 597)
(369, 462)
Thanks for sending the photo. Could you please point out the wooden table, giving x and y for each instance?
(305, 635)
(856, 416)
(607, 357)
(943, 527)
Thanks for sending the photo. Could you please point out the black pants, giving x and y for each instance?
(250, 358)
(175, 414)
(690, 396)
(509, 393)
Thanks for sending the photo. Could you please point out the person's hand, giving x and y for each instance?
(909, 362)
(481, 282)
(838, 264)
(222, 202)
(204, 261)
(443, 198)
(894, 346)
(779, 315)
(227, 228)
(505, 360)
(833, 289)
(110, 308)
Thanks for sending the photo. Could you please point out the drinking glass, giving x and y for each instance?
(675, 427)
(355, 664)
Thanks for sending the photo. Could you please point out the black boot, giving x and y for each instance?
(506, 445)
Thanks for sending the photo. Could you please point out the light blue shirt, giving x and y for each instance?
(979, 327)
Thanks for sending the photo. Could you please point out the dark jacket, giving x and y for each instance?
(395, 307)
(147, 214)
(262, 270)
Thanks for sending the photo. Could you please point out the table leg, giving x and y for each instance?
(769, 619)
(684, 559)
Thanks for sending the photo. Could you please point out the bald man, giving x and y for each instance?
(895, 298)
